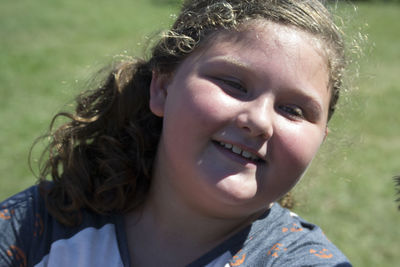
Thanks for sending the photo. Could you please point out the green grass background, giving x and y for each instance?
(49, 48)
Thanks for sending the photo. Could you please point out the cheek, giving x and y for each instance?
(200, 104)
(300, 145)
(291, 153)
(193, 113)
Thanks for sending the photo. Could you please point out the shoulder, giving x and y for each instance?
(20, 221)
(283, 238)
(20, 208)
(29, 234)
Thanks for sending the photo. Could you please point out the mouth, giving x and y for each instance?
(241, 152)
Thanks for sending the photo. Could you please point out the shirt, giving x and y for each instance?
(30, 236)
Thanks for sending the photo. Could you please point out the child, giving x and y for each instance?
(179, 160)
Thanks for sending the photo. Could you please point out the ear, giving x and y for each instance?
(158, 93)
(326, 133)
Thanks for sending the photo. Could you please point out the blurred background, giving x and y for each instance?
(49, 49)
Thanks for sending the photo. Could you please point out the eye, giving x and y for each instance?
(292, 110)
(232, 84)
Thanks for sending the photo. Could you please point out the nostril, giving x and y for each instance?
(246, 128)
(255, 125)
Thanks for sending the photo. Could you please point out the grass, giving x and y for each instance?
(354, 200)
(48, 50)
(50, 47)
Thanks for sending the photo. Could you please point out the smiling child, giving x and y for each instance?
(179, 160)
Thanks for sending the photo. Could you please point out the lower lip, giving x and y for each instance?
(233, 156)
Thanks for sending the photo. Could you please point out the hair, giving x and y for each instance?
(101, 159)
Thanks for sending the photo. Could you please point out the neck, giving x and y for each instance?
(174, 232)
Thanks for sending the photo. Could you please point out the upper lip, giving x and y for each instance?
(246, 148)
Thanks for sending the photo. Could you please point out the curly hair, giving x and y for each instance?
(101, 159)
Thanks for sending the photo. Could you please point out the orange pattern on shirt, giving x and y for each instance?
(6, 214)
(18, 254)
(236, 260)
(323, 254)
(275, 249)
(294, 228)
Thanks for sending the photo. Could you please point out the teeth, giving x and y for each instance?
(239, 151)
(236, 150)
(246, 154)
(228, 146)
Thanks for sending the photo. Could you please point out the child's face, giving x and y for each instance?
(262, 93)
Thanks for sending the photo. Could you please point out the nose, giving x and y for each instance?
(256, 118)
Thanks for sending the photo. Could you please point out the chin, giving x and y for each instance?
(239, 198)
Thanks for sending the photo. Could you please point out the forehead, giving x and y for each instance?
(277, 35)
(274, 38)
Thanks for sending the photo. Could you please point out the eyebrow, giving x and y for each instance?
(228, 60)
